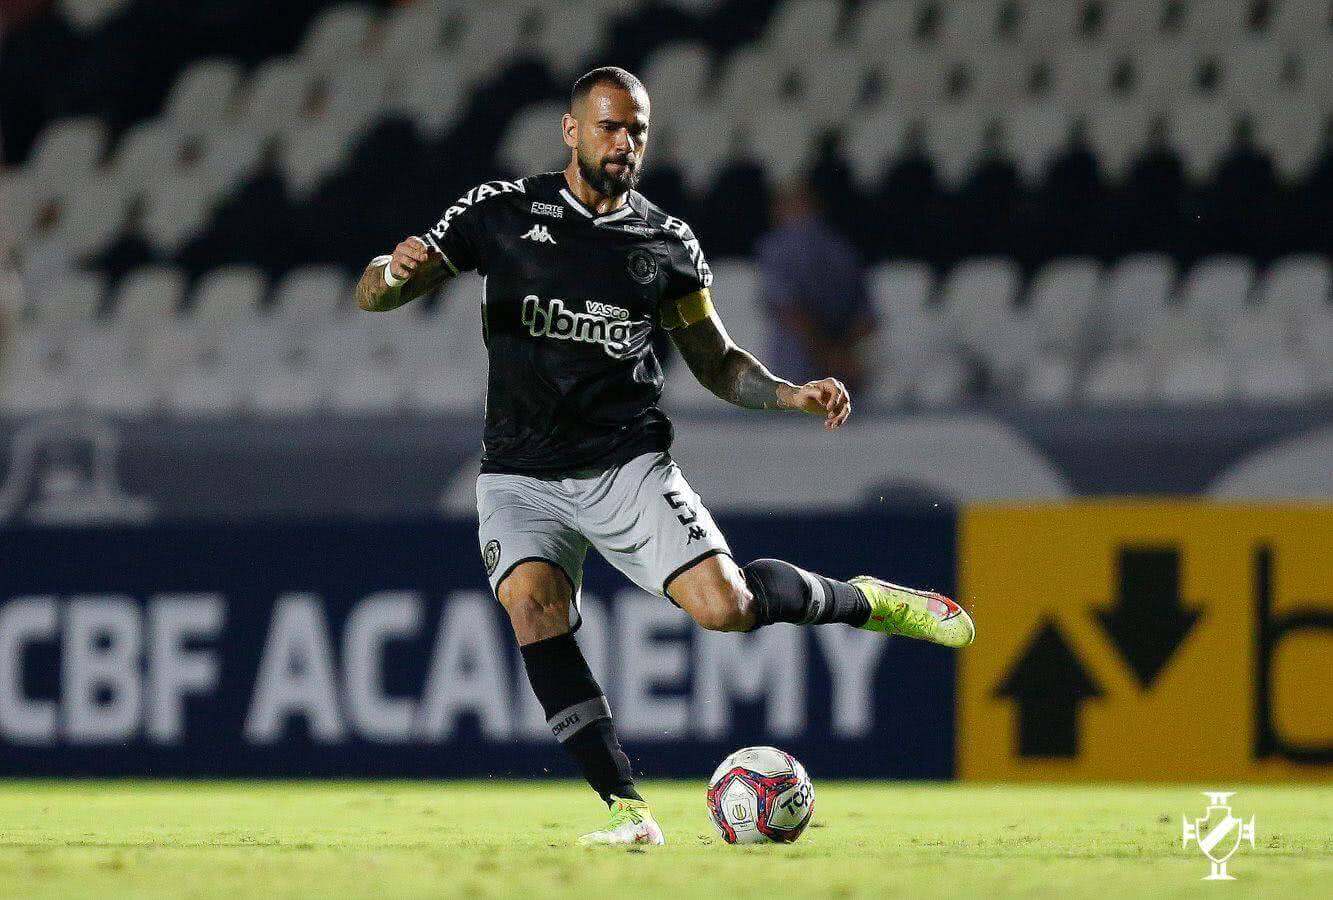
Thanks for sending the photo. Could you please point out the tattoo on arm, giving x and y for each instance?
(725, 369)
(373, 294)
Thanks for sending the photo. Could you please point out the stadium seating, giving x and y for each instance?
(1207, 310)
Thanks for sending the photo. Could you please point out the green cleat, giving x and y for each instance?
(917, 614)
(631, 823)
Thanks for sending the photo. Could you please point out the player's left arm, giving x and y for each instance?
(735, 375)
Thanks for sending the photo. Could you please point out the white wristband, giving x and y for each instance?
(390, 279)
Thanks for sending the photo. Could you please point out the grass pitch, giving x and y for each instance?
(505, 839)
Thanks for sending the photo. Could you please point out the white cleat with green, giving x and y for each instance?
(924, 615)
(631, 823)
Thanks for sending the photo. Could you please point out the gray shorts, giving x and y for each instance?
(643, 517)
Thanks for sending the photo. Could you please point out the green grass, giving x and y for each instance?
(405, 839)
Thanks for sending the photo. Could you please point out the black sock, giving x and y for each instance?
(578, 714)
(785, 593)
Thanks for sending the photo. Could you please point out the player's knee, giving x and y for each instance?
(528, 592)
(728, 609)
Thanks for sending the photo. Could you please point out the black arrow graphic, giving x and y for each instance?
(1148, 623)
(1048, 683)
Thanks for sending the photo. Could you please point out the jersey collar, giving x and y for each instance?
(613, 216)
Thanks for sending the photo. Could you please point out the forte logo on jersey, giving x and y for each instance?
(603, 323)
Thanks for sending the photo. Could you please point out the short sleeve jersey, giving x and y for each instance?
(570, 302)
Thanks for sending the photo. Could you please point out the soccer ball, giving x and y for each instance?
(760, 794)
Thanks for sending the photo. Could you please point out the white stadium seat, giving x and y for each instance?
(1061, 298)
(531, 143)
(94, 212)
(229, 159)
(831, 86)
(486, 35)
(1051, 23)
(736, 291)
(802, 26)
(1049, 379)
(177, 207)
(1133, 290)
(1120, 379)
(1295, 287)
(89, 15)
(967, 26)
(1254, 74)
(676, 76)
(1256, 334)
(1166, 74)
(1217, 289)
(287, 390)
(954, 140)
(409, 33)
(1118, 132)
(356, 94)
(1302, 23)
(228, 293)
(431, 92)
(148, 295)
(444, 354)
(74, 298)
(1037, 133)
(1293, 137)
(68, 149)
(1279, 379)
(312, 152)
(1215, 24)
(202, 96)
(335, 37)
(1084, 74)
(882, 28)
(310, 294)
(917, 81)
(275, 96)
(145, 151)
(872, 143)
(1201, 133)
(1131, 23)
(1197, 377)
(566, 43)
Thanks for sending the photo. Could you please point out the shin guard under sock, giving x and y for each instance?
(786, 593)
(578, 714)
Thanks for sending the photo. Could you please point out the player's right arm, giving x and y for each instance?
(422, 267)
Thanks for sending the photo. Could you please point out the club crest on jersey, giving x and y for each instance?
(603, 324)
(538, 234)
(641, 265)
(491, 556)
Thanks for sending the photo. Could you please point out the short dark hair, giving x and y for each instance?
(604, 75)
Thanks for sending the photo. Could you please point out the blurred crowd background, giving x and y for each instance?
(1057, 202)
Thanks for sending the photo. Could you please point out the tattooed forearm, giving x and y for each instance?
(728, 371)
(373, 294)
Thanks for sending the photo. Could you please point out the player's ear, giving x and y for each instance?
(569, 127)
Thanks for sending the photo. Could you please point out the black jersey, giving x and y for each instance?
(570, 303)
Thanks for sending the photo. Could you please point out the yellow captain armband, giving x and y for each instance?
(687, 310)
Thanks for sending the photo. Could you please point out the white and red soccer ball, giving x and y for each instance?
(760, 794)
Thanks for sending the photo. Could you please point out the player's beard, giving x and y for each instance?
(595, 173)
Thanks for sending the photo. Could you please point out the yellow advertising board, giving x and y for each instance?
(1147, 640)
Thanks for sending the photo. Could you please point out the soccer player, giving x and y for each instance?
(578, 271)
